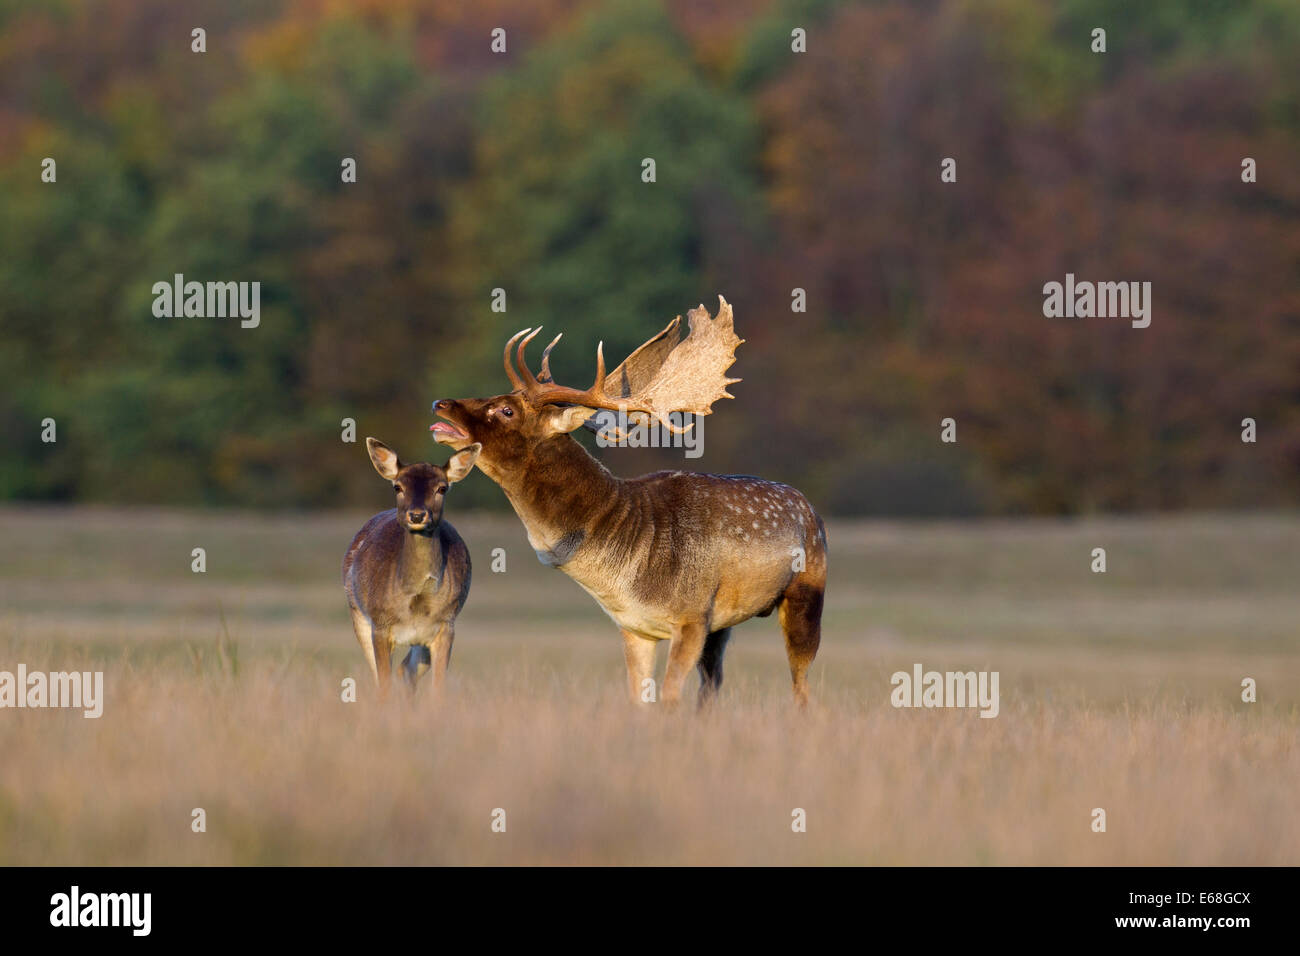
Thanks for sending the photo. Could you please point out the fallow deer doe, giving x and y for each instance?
(407, 571)
(672, 555)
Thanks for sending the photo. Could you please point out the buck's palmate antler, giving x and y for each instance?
(662, 377)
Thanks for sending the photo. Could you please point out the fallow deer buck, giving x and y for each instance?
(407, 571)
(672, 555)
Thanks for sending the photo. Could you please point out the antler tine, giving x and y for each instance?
(599, 385)
(667, 423)
(530, 383)
(653, 416)
(511, 374)
(546, 378)
(547, 391)
(614, 434)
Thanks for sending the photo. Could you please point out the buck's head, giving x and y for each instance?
(664, 375)
(420, 487)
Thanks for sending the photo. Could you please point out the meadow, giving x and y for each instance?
(223, 692)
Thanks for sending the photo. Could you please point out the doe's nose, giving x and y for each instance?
(441, 403)
(417, 517)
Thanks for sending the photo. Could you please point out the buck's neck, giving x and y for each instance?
(558, 492)
(420, 558)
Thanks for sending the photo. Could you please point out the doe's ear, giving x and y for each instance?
(462, 463)
(559, 421)
(383, 458)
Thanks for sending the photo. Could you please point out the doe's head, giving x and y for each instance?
(420, 487)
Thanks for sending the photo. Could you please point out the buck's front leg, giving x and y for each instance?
(639, 652)
(688, 644)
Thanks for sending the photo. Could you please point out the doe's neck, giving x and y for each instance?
(420, 557)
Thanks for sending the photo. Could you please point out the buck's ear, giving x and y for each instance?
(559, 421)
(462, 463)
(383, 458)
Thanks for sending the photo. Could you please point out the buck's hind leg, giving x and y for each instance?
(365, 636)
(801, 620)
(710, 664)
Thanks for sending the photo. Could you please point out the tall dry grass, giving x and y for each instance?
(223, 692)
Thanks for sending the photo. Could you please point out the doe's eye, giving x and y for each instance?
(397, 488)
(508, 412)
(442, 489)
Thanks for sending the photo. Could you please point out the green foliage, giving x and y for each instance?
(557, 213)
(773, 171)
(765, 52)
(157, 409)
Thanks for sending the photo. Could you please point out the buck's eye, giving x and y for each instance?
(508, 412)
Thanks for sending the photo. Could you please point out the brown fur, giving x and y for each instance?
(407, 572)
(675, 556)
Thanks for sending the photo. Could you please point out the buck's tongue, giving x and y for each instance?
(444, 429)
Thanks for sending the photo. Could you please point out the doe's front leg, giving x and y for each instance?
(440, 650)
(383, 650)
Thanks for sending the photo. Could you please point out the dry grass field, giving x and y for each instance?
(1119, 691)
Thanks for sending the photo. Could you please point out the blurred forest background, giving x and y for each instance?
(775, 171)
